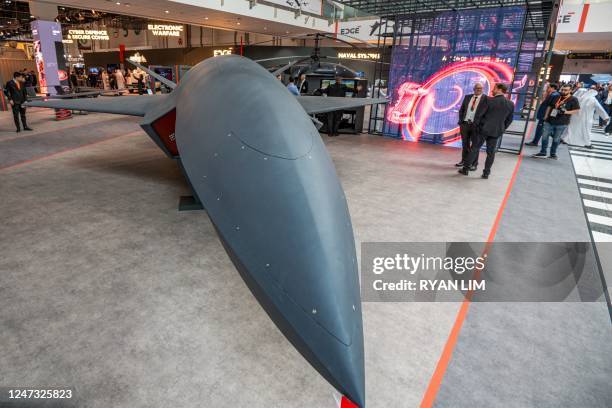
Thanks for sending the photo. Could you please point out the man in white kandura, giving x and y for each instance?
(579, 129)
(120, 79)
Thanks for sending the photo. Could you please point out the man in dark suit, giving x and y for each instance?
(302, 84)
(17, 96)
(34, 79)
(337, 89)
(493, 123)
(471, 111)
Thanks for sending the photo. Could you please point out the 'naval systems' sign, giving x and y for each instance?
(165, 30)
(359, 55)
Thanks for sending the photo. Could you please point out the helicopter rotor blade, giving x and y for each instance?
(281, 58)
(289, 65)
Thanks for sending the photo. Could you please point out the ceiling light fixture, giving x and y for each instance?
(167, 11)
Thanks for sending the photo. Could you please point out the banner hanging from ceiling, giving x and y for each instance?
(310, 6)
(584, 18)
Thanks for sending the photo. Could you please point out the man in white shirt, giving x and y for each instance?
(471, 111)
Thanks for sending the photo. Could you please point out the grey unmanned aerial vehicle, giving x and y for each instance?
(254, 159)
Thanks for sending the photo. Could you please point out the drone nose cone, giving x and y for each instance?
(286, 226)
(272, 192)
(351, 377)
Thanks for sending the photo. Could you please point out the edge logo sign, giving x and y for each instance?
(566, 18)
(573, 18)
(350, 31)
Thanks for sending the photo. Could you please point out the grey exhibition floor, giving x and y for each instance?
(106, 288)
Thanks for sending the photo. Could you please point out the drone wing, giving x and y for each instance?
(322, 104)
(132, 106)
(158, 112)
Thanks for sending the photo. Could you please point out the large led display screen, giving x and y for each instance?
(49, 55)
(439, 59)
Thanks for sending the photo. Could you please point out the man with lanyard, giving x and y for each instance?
(493, 122)
(557, 118)
(470, 113)
(549, 94)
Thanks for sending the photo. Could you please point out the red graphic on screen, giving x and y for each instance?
(432, 107)
(40, 66)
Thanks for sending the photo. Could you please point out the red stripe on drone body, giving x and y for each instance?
(347, 403)
(165, 127)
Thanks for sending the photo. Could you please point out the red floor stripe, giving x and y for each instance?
(47, 156)
(447, 353)
(26, 134)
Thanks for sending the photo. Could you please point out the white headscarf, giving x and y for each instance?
(580, 93)
(589, 93)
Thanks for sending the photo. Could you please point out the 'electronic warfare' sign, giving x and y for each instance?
(165, 30)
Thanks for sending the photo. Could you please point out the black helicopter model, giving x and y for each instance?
(317, 64)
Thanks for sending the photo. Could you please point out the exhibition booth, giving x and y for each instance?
(354, 65)
(193, 238)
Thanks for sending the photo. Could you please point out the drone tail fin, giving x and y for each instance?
(160, 124)
(162, 131)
